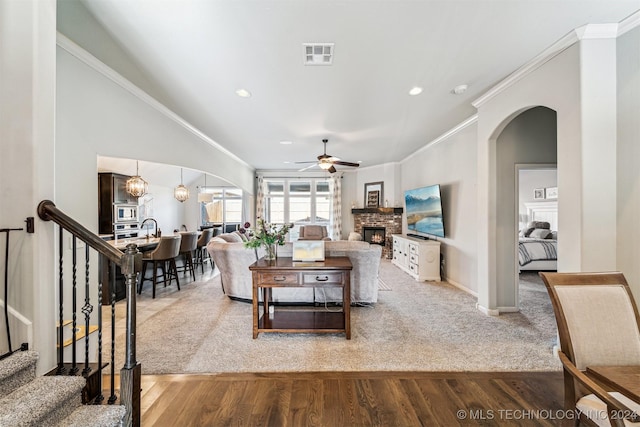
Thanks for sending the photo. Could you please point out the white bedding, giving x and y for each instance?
(537, 254)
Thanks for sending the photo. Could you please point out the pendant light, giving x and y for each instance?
(181, 193)
(136, 186)
(203, 196)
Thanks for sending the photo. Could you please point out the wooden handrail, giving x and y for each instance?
(48, 211)
(130, 263)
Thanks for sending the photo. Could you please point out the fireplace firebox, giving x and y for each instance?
(374, 235)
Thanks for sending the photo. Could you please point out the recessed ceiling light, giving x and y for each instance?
(415, 91)
(243, 93)
(286, 161)
(286, 142)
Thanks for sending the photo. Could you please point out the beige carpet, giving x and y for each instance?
(414, 327)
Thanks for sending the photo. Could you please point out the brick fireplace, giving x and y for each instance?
(387, 221)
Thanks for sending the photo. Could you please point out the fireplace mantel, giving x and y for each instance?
(381, 211)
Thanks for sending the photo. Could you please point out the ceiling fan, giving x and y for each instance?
(327, 161)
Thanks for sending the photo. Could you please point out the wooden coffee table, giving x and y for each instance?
(282, 273)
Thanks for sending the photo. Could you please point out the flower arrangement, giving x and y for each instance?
(267, 235)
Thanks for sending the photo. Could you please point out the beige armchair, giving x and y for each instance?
(598, 325)
(313, 232)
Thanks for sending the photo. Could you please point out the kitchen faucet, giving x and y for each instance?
(154, 221)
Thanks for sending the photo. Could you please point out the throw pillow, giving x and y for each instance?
(539, 224)
(540, 233)
(525, 232)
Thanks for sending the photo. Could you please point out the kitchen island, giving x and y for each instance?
(111, 275)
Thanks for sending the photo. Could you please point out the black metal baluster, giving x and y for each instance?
(61, 369)
(112, 284)
(100, 397)
(87, 309)
(74, 297)
(6, 291)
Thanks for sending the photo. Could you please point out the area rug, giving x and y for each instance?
(419, 326)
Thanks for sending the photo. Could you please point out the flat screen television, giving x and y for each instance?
(424, 211)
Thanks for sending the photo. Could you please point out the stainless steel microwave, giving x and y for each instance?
(125, 213)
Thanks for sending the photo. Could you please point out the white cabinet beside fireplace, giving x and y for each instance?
(420, 258)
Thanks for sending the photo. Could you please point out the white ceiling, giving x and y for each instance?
(198, 53)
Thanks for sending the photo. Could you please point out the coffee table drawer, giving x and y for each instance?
(277, 278)
(322, 278)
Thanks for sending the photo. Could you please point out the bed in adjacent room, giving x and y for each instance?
(537, 254)
(538, 241)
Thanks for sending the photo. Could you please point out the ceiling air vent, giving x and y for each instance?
(318, 53)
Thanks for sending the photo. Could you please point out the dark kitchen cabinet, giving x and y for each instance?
(111, 190)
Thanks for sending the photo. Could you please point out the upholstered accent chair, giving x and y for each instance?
(598, 325)
(163, 257)
(313, 232)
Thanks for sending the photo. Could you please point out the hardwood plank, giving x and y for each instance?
(352, 398)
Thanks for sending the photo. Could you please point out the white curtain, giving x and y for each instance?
(336, 208)
(260, 198)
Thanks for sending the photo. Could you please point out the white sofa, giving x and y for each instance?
(233, 261)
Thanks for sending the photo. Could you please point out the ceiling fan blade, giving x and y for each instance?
(338, 162)
(308, 161)
(308, 167)
(332, 169)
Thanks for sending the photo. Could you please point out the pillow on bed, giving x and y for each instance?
(539, 224)
(526, 231)
(553, 235)
(540, 233)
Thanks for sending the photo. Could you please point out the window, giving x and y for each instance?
(298, 201)
(224, 206)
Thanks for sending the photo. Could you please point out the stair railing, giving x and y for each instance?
(6, 289)
(130, 262)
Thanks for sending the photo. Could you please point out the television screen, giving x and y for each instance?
(424, 211)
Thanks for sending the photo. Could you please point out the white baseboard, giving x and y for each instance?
(508, 309)
(487, 311)
(461, 287)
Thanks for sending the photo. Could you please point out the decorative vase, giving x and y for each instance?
(270, 253)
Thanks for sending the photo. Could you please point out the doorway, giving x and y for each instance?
(536, 207)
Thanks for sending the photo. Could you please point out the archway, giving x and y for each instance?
(528, 137)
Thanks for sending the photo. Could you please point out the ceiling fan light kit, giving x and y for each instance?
(327, 162)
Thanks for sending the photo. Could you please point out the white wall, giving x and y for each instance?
(96, 116)
(531, 179)
(528, 138)
(452, 164)
(27, 101)
(353, 182)
(564, 85)
(628, 154)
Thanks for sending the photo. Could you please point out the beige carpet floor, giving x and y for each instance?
(414, 326)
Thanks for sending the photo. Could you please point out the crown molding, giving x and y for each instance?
(629, 23)
(559, 46)
(469, 121)
(78, 52)
(597, 31)
(586, 32)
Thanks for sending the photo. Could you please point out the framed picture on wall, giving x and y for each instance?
(373, 199)
(551, 193)
(376, 187)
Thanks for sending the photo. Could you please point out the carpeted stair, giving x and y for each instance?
(28, 400)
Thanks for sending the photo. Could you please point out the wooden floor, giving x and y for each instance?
(354, 399)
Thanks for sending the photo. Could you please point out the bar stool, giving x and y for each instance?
(163, 256)
(188, 245)
(202, 255)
